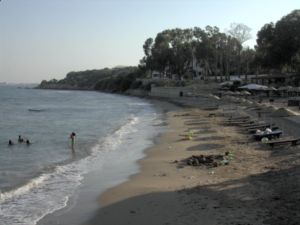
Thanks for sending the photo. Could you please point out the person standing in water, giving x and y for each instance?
(72, 137)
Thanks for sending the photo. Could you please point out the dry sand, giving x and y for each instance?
(259, 186)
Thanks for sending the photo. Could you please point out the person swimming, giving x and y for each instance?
(20, 139)
(28, 142)
(10, 142)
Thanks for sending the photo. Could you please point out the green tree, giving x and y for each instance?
(278, 45)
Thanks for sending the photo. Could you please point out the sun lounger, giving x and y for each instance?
(239, 118)
(260, 126)
(292, 141)
(254, 123)
(239, 123)
(271, 135)
(252, 131)
(211, 108)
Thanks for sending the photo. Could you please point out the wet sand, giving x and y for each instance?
(259, 186)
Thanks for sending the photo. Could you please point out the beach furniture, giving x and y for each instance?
(211, 108)
(254, 124)
(271, 135)
(260, 126)
(239, 123)
(291, 141)
(252, 131)
(238, 118)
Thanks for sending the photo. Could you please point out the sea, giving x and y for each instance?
(112, 133)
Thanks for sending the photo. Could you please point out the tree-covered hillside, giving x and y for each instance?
(94, 79)
(188, 53)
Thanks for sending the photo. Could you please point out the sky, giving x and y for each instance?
(45, 39)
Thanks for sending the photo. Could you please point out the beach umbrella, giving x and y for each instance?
(244, 92)
(254, 87)
(248, 102)
(296, 90)
(237, 100)
(288, 88)
(271, 108)
(213, 96)
(272, 89)
(283, 88)
(226, 83)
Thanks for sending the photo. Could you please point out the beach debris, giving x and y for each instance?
(190, 135)
(229, 155)
(210, 160)
(212, 115)
(265, 140)
(160, 175)
(212, 172)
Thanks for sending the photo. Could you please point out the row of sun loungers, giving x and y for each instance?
(251, 126)
(291, 141)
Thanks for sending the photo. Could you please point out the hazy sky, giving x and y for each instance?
(43, 39)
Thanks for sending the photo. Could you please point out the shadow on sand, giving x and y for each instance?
(269, 198)
(204, 147)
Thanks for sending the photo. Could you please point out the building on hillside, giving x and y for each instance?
(194, 71)
(277, 80)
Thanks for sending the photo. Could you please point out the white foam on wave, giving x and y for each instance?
(139, 104)
(49, 192)
(25, 188)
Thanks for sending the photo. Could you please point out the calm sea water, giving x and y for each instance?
(38, 179)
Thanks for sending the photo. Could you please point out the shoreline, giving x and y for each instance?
(165, 192)
(251, 190)
(69, 214)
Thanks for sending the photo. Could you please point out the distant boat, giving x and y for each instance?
(36, 110)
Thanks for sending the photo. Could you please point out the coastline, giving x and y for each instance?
(165, 192)
(93, 185)
(258, 187)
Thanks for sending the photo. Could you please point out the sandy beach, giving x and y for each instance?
(259, 186)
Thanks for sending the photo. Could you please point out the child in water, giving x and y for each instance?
(72, 137)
